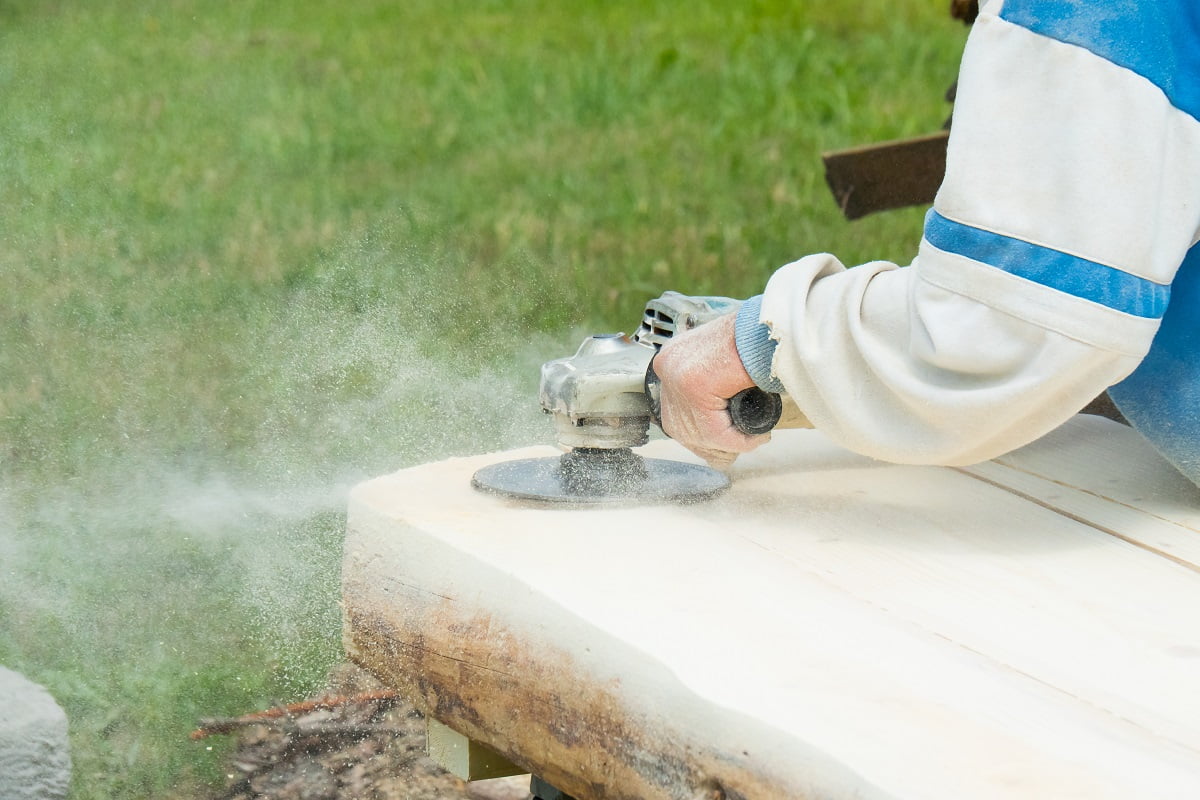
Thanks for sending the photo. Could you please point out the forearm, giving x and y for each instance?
(902, 370)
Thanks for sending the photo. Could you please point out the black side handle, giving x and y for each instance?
(753, 411)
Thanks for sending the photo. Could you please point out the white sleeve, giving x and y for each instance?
(1071, 195)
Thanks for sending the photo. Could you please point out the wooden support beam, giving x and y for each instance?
(464, 758)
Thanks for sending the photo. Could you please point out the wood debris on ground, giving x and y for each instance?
(358, 741)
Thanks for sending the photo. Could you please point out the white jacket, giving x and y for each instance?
(1071, 197)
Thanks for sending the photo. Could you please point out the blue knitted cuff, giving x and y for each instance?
(755, 346)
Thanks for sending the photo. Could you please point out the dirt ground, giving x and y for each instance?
(372, 748)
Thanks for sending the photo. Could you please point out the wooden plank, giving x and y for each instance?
(1097, 470)
(1006, 579)
(833, 627)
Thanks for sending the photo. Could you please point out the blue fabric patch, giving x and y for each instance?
(1161, 399)
(1157, 39)
(1053, 268)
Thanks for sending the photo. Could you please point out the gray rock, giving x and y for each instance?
(35, 759)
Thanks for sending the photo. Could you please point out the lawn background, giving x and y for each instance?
(251, 253)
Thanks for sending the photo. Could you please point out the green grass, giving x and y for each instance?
(253, 252)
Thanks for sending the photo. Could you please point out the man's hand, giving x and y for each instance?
(700, 370)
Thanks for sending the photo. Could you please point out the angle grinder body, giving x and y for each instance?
(603, 400)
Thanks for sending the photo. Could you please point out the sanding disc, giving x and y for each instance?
(591, 477)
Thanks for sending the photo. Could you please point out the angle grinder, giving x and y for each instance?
(603, 400)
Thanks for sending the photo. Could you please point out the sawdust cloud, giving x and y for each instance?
(347, 387)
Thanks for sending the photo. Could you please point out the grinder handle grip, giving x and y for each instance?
(753, 411)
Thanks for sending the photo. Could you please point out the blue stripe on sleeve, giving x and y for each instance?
(1052, 268)
(1157, 39)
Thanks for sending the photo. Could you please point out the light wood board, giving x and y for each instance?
(833, 627)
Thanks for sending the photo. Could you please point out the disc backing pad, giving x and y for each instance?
(587, 476)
